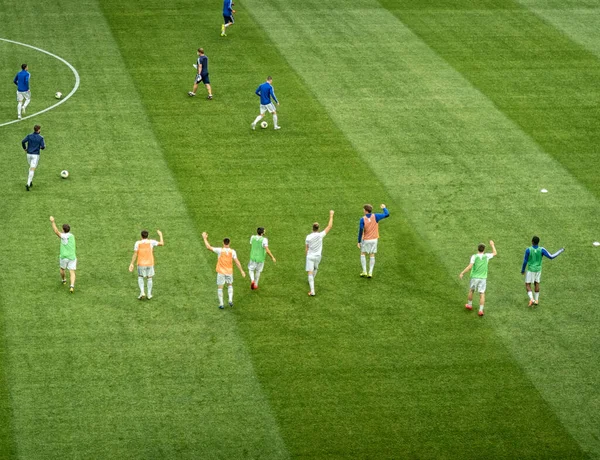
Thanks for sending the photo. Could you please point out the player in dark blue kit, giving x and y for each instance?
(228, 12)
(32, 145)
(266, 93)
(202, 75)
(23, 92)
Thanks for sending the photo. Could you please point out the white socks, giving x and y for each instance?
(230, 293)
(372, 265)
(311, 283)
(469, 302)
(536, 296)
(480, 307)
(220, 295)
(530, 294)
(275, 120)
(26, 103)
(256, 120)
(30, 176)
(149, 287)
(141, 284)
(257, 277)
(363, 263)
(251, 273)
(19, 108)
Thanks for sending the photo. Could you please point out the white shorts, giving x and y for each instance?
(369, 246)
(23, 95)
(533, 277)
(68, 264)
(258, 266)
(478, 284)
(146, 272)
(224, 279)
(33, 160)
(312, 263)
(270, 107)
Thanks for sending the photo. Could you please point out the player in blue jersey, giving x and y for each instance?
(202, 74)
(23, 92)
(32, 145)
(266, 93)
(533, 263)
(228, 13)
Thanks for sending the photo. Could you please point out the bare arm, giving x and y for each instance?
(132, 261)
(270, 255)
(494, 252)
(54, 227)
(205, 238)
(161, 242)
(469, 267)
(330, 224)
(239, 265)
(306, 249)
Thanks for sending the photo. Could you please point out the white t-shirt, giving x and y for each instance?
(153, 243)
(218, 252)
(315, 243)
(489, 255)
(265, 242)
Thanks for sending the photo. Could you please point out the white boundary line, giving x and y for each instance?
(75, 88)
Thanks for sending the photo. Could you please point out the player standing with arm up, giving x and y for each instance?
(314, 250)
(224, 268)
(479, 272)
(23, 92)
(533, 263)
(144, 252)
(368, 235)
(67, 256)
(32, 144)
(266, 93)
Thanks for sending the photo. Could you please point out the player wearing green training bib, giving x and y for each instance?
(479, 272)
(258, 252)
(532, 268)
(67, 256)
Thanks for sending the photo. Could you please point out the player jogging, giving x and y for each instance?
(32, 145)
(368, 235)
(532, 268)
(258, 252)
(143, 250)
(314, 250)
(266, 93)
(67, 255)
(228, 13)
(224, 268)
(479, 272)
(23, 92)
(202, 74)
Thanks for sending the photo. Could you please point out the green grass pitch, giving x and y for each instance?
(453, 113)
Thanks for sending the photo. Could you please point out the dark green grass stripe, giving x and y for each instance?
(382, 370)
(8, 448)
(534, 73)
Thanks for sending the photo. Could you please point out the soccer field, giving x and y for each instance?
(455, 114)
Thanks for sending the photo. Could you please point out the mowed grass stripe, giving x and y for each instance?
(99, 374)
(462, 172)
(382, 370)
(7, 443)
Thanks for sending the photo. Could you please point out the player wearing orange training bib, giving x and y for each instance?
(368, 235)
(224, 268)
(144, 252)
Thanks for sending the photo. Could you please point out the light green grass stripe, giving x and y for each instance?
(464, 173)
(99, 374)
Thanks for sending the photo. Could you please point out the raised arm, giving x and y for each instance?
(161, 242)
(552, 256)
(54, 227)
(382, 215)
(330, 224)
(205, 238)
(494, 252)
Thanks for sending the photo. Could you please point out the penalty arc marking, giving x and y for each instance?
(75, 88)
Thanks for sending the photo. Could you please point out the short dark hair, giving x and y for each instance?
(144, 233)
(226, 241)
(535, 240)
(368, 208)
(260, 230)
(481, 247)
(37, 128)
(201, 50)
(315, 226)
(23, 66)
(269, 78)
(66, 228)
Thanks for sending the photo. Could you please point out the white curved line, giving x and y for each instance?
(77, 79)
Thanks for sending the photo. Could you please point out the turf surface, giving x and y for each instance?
(381, 102)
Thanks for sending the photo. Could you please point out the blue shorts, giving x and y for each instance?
(228, 19)
(202, 78)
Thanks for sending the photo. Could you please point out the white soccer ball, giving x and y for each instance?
(58, 95)
(64, 174)
(264, 124)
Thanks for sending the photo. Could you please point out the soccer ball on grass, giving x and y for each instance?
(64, 174)
(58, 95)
(264, 124)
